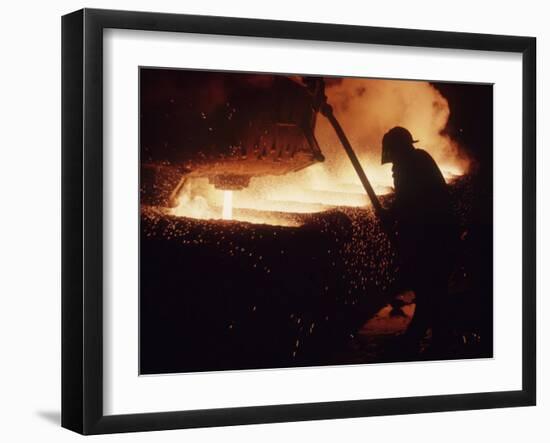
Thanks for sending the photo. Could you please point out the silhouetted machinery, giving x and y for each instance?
(263, 128)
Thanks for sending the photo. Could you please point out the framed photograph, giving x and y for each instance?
(269, 221)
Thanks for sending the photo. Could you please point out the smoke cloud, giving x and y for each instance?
(368, 108)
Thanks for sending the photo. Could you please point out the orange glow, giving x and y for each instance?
(227, 213)
(366, 109)
(267, 199)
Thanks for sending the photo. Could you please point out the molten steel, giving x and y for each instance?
(366, 109)
(227, 205)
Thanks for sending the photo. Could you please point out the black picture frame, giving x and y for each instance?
(82, 220)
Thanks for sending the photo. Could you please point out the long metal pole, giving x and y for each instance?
(327, 111)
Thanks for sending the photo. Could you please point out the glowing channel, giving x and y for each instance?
(227, 213)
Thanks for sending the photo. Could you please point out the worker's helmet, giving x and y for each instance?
(395, 142)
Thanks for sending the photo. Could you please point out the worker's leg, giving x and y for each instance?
(422, 314)
(442, 340)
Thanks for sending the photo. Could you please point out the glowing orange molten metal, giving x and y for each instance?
(227, 213)
(366, 109)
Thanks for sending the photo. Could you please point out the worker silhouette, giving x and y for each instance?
(426, 234)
